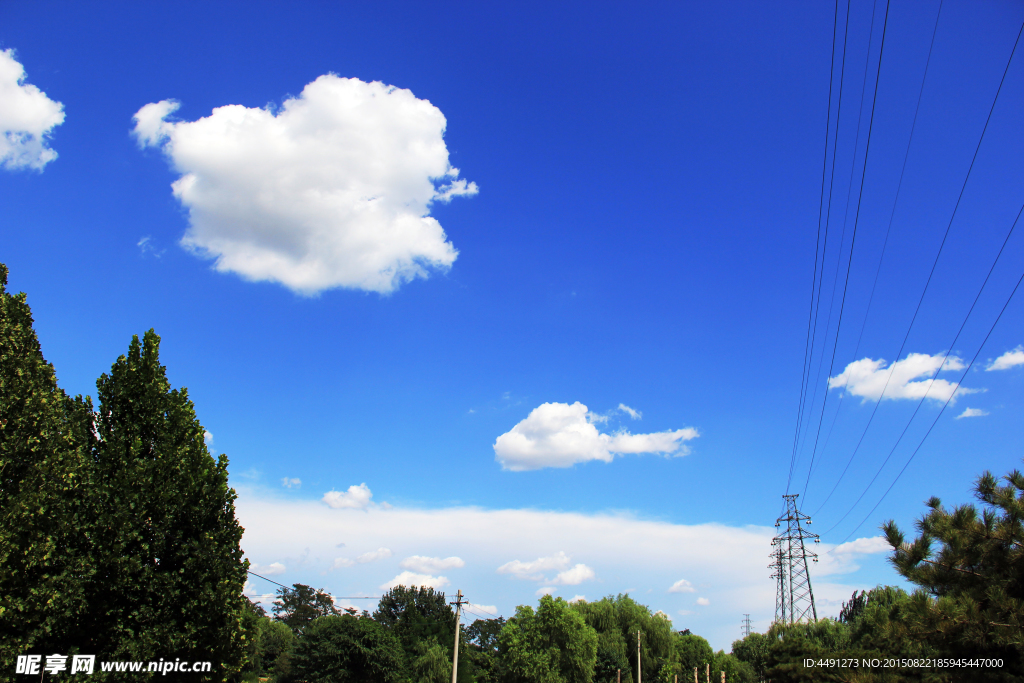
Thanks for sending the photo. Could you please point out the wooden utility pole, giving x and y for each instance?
(707, 673)
(638, 677)
(695, 675)
(723, 677)
(458, 616)
(619, 679)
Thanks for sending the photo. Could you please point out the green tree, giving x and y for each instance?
(336, 649)
(45, 438)
(552, 645)
(169, 569)
(299, 605)
(753, 650)
(481, 638)
(692, 651)
(735, 669)
(617, 620)
(972, 602)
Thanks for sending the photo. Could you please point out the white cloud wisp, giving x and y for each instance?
(869, 378)
(561, 435)
(333, 189)
(429, 565)
(1010, 359)
(27, 117)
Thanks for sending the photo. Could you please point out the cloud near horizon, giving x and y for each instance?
(332, 189)
(561, 435)
(868, 378)
(27, 118)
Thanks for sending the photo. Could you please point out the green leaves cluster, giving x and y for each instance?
(118, 536)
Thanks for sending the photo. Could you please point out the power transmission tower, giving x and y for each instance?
(745, 628)
(794, 599)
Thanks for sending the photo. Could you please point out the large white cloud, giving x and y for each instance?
(726, 564)
(27, 117)
(333, 189)
(561, 435)
(1010, 359)
(867, 378)
(413, 579)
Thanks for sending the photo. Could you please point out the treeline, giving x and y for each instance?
(118, 535)
(410, 638)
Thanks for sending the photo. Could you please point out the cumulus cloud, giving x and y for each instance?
(574, 576)
(273, 569)
(414, 579)
(867, 378)
(842, 559)
(341, 562)
(332, 189)
(27, 117)
(561, 435)
(1010, 359)
(972, 412)
(545, 590)
(533, 571)
(428, 565)
(357, 498)
(682, 586)
(486, 609)
(372, 556)
(863, 546)
(293, 482)
(703, 602)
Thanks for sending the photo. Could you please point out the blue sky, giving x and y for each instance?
(632, 225)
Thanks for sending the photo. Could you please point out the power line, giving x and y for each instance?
(935, 263)
(937, 370)
(885, 242)
(942, 410)
(812, 309)
(335, 597)
(853, 240)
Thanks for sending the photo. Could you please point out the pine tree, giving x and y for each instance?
(44, 438)
(972, 604)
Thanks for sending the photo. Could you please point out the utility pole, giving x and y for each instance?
(745, 629)
(638, 680)
(707, 672)
(794, 599)
(458, 627)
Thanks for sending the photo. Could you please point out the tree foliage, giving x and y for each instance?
(552, 645)
(335, 649)
(299, 605)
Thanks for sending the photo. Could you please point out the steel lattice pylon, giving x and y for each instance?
(794, 598)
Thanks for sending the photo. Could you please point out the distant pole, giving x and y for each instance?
(638, 677)
(723, 677)
(707, 673)
(619, 675)
(695, 675)
(458, 616)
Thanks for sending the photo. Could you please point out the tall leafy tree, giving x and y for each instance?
(338, 649)
(299, 605)
(44, 442)
(169, 569)
(418, 615)
(617, 620)
(553, 644)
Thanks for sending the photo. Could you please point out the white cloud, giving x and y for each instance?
(972, 412)
(682, 586)
(561, 435)
(208, 440)
(867, 378)
(413, 579)
(293, 482)
(27, 117)
(533, 571)
(545, 590)
(1010, 359)
(579, 598)
(703, 601)
(273, 569)
(427, 565)
(574, 576)
(635, 414)
(356, 498)
(331, 189)
(373, 556)
(340, 562)
(842, 559)
(863, 546)
(486, 609)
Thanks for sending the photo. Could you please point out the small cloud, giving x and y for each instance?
(704, 602)
(27, 118)
(533, 570)
(294, 482)
(574, 576)
(208, 440)
(863, 546)
(274, 569)
(356, 498)
(579, 598)
(427, 565)
(972, 412)
(486, 609)
(340, 545)
(340, 562)
(635, 414)
(145, 246)
(686, 612)
(412, 579)
(682, 586)
(663, 615)
(378, 554)
(546, 590)
(1010, 359)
